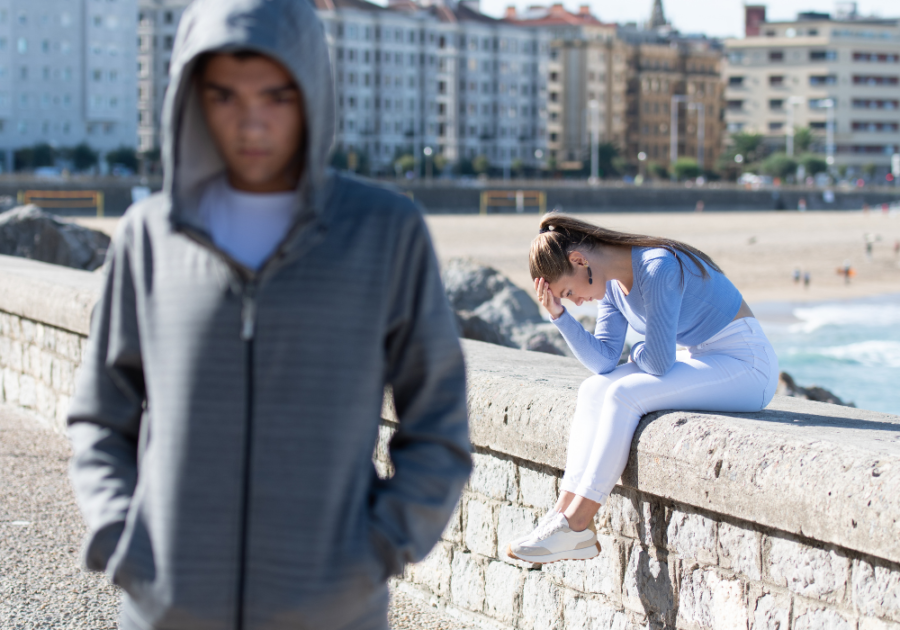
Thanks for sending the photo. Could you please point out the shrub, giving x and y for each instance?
(686, 168)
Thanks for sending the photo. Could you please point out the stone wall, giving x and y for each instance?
(788, 518)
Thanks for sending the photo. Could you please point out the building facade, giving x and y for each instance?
(67, 74)
(413, 78)
(624, 77)
(816, 66)
(157, 23)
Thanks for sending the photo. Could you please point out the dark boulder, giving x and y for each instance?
(29, 232)
(473, 327)
(788, 387)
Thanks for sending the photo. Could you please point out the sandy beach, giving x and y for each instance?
(757, 250)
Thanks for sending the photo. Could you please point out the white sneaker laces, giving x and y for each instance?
(548, 527)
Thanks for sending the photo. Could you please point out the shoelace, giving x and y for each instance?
(548, 528)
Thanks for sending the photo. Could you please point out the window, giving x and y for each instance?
(818, 103)
(735, 81)
(877, 80)
(776, 104)
(776, 126)
(818, 124)
(168, 42)
(876, 57)
(22, 46)
(734, 106)
(873, 126)
(822, 55)
(776, 80)
(776, 55)
(736, 57)
(98, 75)
(865, 103)
(822, 79)
(734, 127)
(168, 17)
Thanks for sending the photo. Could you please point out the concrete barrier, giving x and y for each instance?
(787, 518)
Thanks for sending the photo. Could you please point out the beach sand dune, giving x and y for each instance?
(759, 251)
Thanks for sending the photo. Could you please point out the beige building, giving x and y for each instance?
(785, 70)
(632, 73)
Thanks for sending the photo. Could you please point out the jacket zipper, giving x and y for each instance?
(248, 330)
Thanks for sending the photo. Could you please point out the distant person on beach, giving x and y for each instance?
(897, 248)
(253, 314)
(797, 276)
(846, 270)
(806, 279)
(673, 294)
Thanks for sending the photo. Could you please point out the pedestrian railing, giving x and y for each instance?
(63, 199)
(517, 198)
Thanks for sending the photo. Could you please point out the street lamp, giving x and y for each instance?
(829, 104)
(427, 151)
(594, 108)
(792, 101)
(642, 157)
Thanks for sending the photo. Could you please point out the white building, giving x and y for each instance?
(67, 74)
(157, 23)
(794, 70)
(413, 76)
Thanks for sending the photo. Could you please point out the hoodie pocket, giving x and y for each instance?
(132, 566)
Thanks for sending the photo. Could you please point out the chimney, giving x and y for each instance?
(510, 12)
(754, 18)
(584, 10)
(557, 8)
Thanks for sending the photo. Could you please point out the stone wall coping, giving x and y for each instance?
(824, 472)
(51, 294)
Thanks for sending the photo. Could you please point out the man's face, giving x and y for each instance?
(254, 112)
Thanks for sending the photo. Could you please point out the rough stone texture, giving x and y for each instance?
(582, 612)
(868, 623)
(712, 601)
(822, 619)
(692, 536)
(876, 590)
(481, 532)
(806, 570)
(467, 588)
(769, 611)
(503, 591)
(739, 550)
(513, 522)
(30, 232)
(538, 489)
(647, 585)
(494, 478)
(541, 603)
(434, 570)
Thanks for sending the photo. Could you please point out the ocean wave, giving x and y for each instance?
(856, 314)
(878, 354)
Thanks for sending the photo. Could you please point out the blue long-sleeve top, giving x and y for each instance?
(664, 304)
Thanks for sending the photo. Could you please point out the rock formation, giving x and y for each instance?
(788, 387)
(29, 232)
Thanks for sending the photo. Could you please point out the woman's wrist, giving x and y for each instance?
(558, 315)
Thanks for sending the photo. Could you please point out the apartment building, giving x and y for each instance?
(631, 74)
(416, 76)
(156, 26)
(67, 74)
(808, 69)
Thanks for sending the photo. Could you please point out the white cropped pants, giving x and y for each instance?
(735, 370)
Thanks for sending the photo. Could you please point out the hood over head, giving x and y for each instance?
(288, 31)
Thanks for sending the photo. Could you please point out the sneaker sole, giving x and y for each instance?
(576, 554)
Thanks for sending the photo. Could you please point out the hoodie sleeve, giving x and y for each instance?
(601, 351)
(663, 289)
(105, 414)
(430, 449)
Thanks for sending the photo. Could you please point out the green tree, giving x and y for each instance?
(518, 166)
(657, 170)
(464, 167)
(440, 163)
(813, 164)
(779, 165)
(36, 156)
(803, 139)
(124, 156)
(405, 163)
(152, 160)
(338, 160)
(750, 145)
(869, 169)
(481, 164)
(83, 157)
(686, 168)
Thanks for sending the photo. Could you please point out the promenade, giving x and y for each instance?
(42, 585)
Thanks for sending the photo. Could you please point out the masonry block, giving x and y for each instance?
(435, 570)
(653, 523)
(34, 361)
(806, 570)
(48, 342)
(27, 393)
(584, 612)
(692, 536)
(28, 327)
(768, 610)
(62, 411)
(513, 522)
(467, 582)
(710, 600)
(647, 586)
(481, 533)
(46, 374)
(538, 489)
(16, 351)
(623, 517)
(541, 603)
(604, 574)
(868, 623)
(453, 530)
(876, 590)
(494, 478)
(10, 386)
(5, 344)
(503, 592)
(45, 400)
(740, 550)
(809, 618)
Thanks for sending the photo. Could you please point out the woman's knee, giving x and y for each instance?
(594, 387)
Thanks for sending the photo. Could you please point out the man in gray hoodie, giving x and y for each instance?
(253, 313)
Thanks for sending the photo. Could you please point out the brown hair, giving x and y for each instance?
(561, 234)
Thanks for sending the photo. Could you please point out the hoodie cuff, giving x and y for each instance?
(101, 545)
(634, 351)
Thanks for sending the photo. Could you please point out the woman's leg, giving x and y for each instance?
(702, 381)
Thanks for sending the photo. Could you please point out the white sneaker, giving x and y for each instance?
(553, 540)
(545, 518)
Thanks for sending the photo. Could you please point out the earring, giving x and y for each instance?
(590, 276)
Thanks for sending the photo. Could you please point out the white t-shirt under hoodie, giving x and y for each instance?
(247, 226)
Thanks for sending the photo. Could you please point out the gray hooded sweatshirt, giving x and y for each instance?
(224, 420)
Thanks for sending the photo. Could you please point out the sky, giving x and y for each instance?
(719, 18)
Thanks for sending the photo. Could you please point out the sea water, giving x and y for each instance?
(851, 348)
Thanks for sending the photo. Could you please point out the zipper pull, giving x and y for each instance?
(248, 318)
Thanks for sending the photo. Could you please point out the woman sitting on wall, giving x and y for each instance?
(670, 292)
